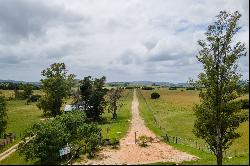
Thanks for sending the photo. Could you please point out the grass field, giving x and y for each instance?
(174, 115)
(22, 116)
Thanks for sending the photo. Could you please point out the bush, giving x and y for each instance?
(147, 88)
(172, 88)
(155, 95)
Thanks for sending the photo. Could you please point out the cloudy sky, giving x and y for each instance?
(125, 40)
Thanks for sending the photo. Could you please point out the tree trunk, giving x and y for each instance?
(114, 115)
(219, 155)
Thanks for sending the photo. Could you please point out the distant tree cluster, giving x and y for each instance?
(172, 88)
(129, 87)
(17, 86)
(147, 88)
(190, 88)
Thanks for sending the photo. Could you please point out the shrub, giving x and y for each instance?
(155, 95)
(143, 139)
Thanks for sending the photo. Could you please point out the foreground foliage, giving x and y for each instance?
(47, 138)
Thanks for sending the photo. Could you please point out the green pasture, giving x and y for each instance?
(173, 113)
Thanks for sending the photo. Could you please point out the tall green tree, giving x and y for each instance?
(93, 96)
(3, 116)
(218, 115)
(57, 86)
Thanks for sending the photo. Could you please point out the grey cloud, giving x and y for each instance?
(149, 44)
(129, 57)
(22, 19)
(11, 58)
(166, 50)
(124, 40)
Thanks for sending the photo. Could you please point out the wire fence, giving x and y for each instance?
(194, 143)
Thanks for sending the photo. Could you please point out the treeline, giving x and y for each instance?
(17, 86)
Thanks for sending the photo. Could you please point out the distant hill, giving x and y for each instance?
(147, 83)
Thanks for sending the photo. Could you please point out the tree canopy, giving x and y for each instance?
(57, 86)
(92, 94)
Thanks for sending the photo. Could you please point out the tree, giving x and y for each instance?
(56, 85)
(3, 116)
(92, 95)
(218, 116)
(113, 97)
(48, 137)
(27, 91)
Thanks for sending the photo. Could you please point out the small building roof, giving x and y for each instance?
(69, 108)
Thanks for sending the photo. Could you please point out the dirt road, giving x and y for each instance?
(131, 153)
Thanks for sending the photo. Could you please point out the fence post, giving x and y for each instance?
(176, 140)
(173, 139)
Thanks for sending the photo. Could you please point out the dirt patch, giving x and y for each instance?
(131, 153)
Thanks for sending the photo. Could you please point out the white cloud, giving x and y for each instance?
(122, 39)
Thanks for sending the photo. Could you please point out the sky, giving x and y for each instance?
(124, 40)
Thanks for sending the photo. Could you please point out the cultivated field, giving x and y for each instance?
(172, 114)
